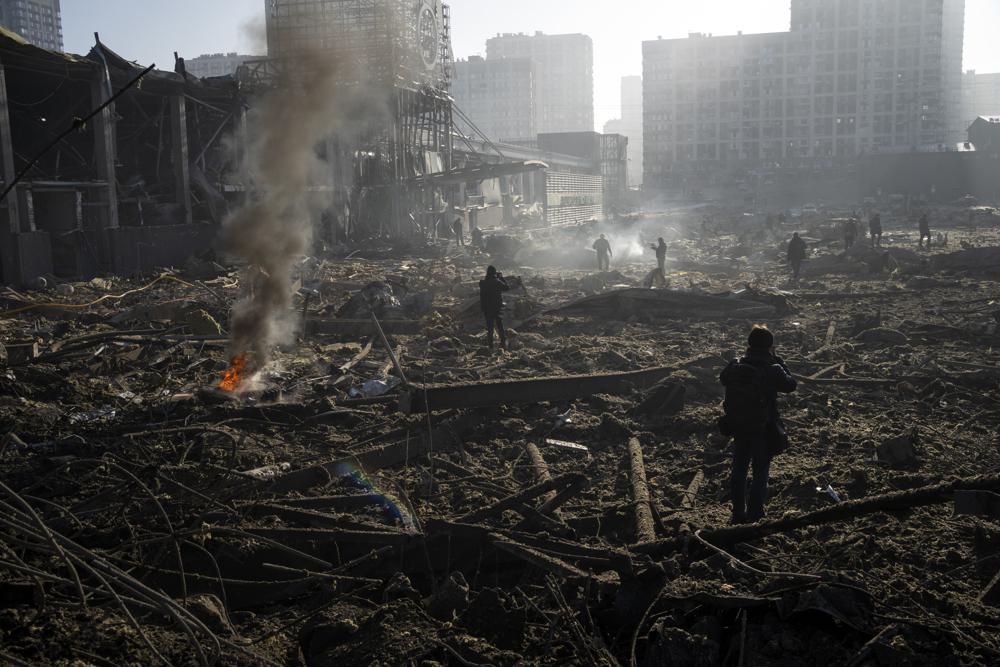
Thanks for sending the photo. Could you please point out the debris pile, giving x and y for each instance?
(387, 492)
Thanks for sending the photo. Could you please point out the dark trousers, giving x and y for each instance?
(796, 267)
(750, 451)
(848, 242)
(494, 322)
(603, 262)
(662, 264)
(925, 235)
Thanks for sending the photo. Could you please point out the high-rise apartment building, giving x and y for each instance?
(38, 21)
(564, 77)
(216, 64)
(630, 125)
(850, 77)
(980, 96)
(498, 96)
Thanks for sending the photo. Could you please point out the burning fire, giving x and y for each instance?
(234, 377)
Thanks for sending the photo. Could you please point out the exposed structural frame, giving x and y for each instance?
(401, 47)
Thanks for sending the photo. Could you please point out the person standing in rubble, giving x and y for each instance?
(925, 231)
(459, 231)
(850, 233)
(661, 256)
(491, 290)
(604, 254)
(752, 384)
(797, 251)
(875, 229)
(478, 240)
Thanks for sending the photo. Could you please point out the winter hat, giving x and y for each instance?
(761, 339)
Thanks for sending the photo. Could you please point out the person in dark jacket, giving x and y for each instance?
(491, 290)
(758, 447)
(875, 229)
(459, 231)
(796, 254)
(850, 233)
(925, 231)
(604, 254)
(661, 256)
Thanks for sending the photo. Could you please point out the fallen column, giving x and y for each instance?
(645, 530)
(432, 398)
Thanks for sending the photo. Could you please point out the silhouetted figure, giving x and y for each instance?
(752, 384)
(796, 254)
(661, 256)
(491, 290)
(875, 229)
(850, 233)
(604, 254)
(459, 231)
(478, 240)
(925, 231)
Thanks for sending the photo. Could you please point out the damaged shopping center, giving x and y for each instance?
(149, 180)
(249, 415)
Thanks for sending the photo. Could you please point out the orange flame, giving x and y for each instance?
(234, 377)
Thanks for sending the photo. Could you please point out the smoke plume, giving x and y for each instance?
(288, 182)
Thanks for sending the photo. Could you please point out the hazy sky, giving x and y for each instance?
(152, 30)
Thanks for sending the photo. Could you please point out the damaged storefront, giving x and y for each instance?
(134, 186)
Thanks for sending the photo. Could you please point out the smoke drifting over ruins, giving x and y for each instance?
(284, 172)
(357, 354)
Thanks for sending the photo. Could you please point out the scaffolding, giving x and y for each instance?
(389, 41)
(401, 47)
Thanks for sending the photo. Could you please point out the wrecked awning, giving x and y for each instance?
(481, 173)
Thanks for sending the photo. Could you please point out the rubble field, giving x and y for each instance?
(564, 502)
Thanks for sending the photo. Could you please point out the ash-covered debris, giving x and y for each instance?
(567, 497)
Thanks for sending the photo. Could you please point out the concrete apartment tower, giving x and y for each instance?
(498, 96)
(630, 125)
(564, 77)
(38, 21)
(850, 77)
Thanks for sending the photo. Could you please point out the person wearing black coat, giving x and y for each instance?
(491, 289)
(758, 447)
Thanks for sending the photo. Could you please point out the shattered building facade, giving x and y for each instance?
(402, 50)
(134, 187)
(851, 77)
(216, 64)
